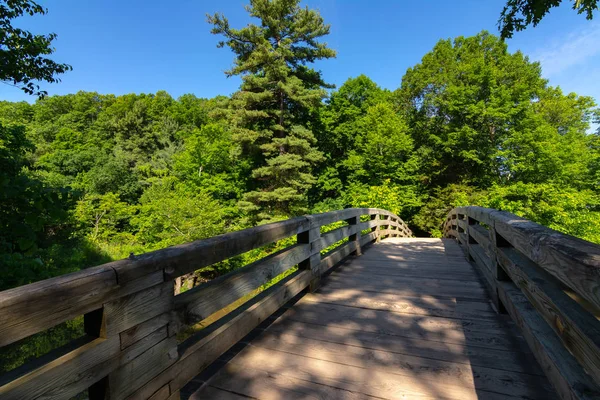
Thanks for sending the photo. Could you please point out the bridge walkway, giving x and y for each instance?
(409, 318)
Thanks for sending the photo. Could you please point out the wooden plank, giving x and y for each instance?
(334, 236)
(578, 329)
(575, 262)
(201, 350)
(364, 282)
(428, 328)
(312, 239)
(333, 257)
(32, 308)
(162, 393)
(208, 298)
(371, 382)
(482, 260)
(482, 236)
(425, 273)
(481, 214)
(72, 367)
(368, 224)
(422, 305)
(355, 237)
(211, 392)
(131, 376)
(410, 270)
(508, 358)
(138, 332)
(368, 238)
(136, 308)
(410, 286)
(462, 238)
(427, 371)
(179, 260)
(562, 369)
(263, 385)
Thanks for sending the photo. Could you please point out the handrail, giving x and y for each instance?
(549, 284)
(132, 315)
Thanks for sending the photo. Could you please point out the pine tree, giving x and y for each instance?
(272, 110)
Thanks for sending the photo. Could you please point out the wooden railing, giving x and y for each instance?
(132, 315)
(549, 284)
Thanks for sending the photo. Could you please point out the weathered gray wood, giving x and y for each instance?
(435, 329)
(368, 238)
(578, 329)
(131, 376)
(482, 236)
(506, 358)
(138, 332)
(573, 261)
(373, 382)
(257, 384)
(312, 239)
(179, 260)
(336, 235)
(480, 257)
(29, 309)
(206, 299)
(161, 394)
(355, 221)
(565, 374)
(430, 372)
(62, 371)
(412, 287)
(419, 305)
(333, 257)
(198, 354)
(131, 310)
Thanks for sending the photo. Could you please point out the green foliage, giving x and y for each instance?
(87, 178)
(575, 212)
(22, 60)
(399, 199)
(440, 201)
(463, 101)
(170, 215)
(518, 14)
(271, 113)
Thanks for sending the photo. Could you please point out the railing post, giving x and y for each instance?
(499, 273)
(142, 324)
(376, 227)
(355, 237)
(312, 237)
(470, 240)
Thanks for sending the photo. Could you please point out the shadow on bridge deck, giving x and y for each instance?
(408, 319)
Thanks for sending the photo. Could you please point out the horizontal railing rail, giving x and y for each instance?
(132, 316)
(549, 284)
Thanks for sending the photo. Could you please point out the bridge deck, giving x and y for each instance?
(408, 319)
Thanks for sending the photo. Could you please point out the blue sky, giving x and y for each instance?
(144, 46)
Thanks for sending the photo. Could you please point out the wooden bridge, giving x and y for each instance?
(355, 308)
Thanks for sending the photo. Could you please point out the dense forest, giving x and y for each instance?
(87, 178)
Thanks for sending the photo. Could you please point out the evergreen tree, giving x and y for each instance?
(271, 113)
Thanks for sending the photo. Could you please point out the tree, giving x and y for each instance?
(271, 113)
(462, 101)
(22, 60)
(382, 148)
(338, 130)
(518, 14)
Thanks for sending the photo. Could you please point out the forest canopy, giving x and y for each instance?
(87, 177)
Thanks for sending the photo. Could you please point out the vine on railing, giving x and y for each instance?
(549, 284)
(132, 316)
